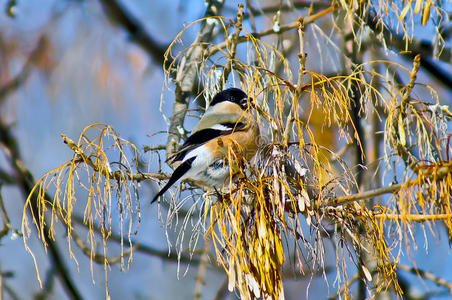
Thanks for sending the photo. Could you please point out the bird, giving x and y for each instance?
(226, 124)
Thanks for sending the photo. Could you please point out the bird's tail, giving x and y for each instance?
(178, 173)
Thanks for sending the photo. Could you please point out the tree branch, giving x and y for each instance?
(17, 81)
(6, 221)
(119, 15)
(399, 42)
(308, 20)
(116, 174)
(186, 77)
(26, 184)
(163, 254)
(427, 275)
(286, 7)
(440, 174)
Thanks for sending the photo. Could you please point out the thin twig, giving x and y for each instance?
(120, 15)
(362, 196)
(96, 257)
(26, 183)
(200, 278)
(234, 39)
(187, 77)
(6, 221)
(116, 174)
(139, 247)
(439, 175)
(10, 292)
(427, 275)
(344, 287)
(17, 81)
(222, 291)
(281, 29)
(286, 7)
(46, 291)
(409, 87)
(302, 66)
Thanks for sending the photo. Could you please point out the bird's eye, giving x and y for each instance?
(244, 103)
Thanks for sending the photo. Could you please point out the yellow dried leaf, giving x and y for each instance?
(421, 200)
(366, 273)
(262, 232)
(231, 277)
(418, 6)
(279, 251)
(426, 12)
(402, 134)
(405, 11)
(301, 206)
(253, 285)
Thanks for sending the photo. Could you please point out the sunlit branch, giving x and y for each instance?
(155, 148)
(406, 95)
(286, 7)
(233, 46)
(186, 77)
(302, 66)
(116, 174)
(440, 174)
(399, 42)
(281, 29)
(414, 217)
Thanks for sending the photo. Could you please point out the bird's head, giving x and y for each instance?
(233, 95)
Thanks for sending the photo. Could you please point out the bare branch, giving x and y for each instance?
(26, 184)
(186, 77)
(416, 46)
(427, 275)
(6, 222)
(440, 174)
(286, 7)
(281, 29)
(234, 41)
(116, 174)
(16, 82)
(120, 15)
(302, 66)
(163, 254)
(98, 258)
(200, 280)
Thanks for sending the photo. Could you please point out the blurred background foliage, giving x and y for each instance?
(374, 90)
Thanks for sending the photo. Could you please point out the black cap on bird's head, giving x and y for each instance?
(234, 95)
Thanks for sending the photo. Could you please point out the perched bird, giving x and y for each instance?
(226, 124)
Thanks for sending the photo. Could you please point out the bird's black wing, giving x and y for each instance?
(203, 136)
(178, 173)
(195, 140)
